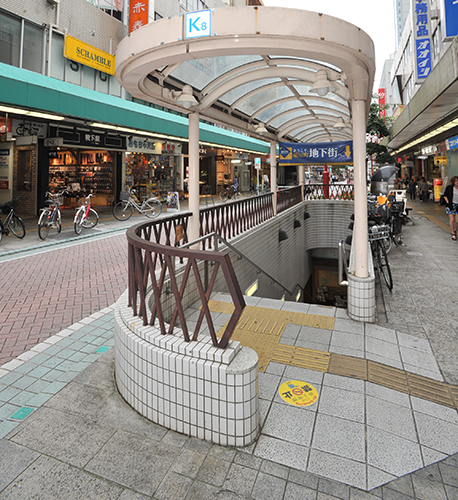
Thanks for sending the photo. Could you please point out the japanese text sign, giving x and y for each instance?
(422, 37)
(138, 14)
(321, 153)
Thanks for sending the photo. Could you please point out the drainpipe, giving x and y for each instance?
(193, 181)
(273, 174)
(359, 156)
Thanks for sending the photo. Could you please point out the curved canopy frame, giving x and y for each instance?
(257, 61)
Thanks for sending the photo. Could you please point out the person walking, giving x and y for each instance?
(423, 189)
(412, 188)
(451, 207)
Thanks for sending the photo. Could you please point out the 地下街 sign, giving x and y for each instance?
(198, 24)
(298, 393)
(449, 19)
(321, 153)
(421, 12)
(86, 54)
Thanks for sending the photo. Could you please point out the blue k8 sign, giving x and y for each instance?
(198, 24)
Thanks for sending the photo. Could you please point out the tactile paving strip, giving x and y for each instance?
(261, 329)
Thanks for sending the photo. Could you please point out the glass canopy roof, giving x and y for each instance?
(273, 90)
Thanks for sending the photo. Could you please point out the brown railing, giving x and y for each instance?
(154, 250)
(329, 191)
(150, 264)
(288, 197)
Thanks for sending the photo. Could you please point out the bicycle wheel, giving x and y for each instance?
(123, 210)
(224, 195)
(397, 231)
(79, 218)
(238, 195)
(91, 220)
(17, 227)
(152, 208)
(43, 224)
(58, 221)
(383, 265)
(387, 244)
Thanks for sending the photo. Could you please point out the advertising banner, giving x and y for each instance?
(316, 153)
(138, 14)
(86, 54)
(421, 12)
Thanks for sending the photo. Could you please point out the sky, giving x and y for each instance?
(375, 18)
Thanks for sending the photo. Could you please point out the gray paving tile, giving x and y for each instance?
(434, 410)
(281, 452)
(173, 486)
(377, 477)
(213, 471)
(342, 403)
(240, 480)
(14, 459)
(351, 341)
(391, 453)
(426, 489)
(290, 423)
(134, 462)
(6, 427)
(58, 479)
(386, 394)
(298, 492)
(391, 418)
(72, 439)
(337, 468)
(437, 434)
(349, 384)
(268, 487)
(332, 436)
(188, 463)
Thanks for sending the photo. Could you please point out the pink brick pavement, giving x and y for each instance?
(45, 293)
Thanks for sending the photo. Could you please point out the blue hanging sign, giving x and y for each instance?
(317, 153)
(449, 18)
(452, 142)
(422, 37)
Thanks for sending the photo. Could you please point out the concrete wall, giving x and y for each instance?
(288, 262)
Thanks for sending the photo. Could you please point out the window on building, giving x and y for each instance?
(32, 58)
(10, 39)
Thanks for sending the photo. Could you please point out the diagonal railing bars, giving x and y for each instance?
(155, 247)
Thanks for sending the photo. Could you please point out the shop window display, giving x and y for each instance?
(82, 172)
(152, 175)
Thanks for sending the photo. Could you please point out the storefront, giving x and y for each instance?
(153, 167)
(83, 161)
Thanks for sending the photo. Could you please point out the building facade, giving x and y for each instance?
(51, 133)
(419, 83)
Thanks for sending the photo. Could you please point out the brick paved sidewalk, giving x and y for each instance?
(46, 292)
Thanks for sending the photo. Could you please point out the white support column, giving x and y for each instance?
(273, 174)
(193, 182)
(300, 169)
(359, 159)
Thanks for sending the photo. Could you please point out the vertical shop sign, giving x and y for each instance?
(5, 127)
(381, 102)
(422, 38)
(5, 159)
(138, 14)
(449, 19)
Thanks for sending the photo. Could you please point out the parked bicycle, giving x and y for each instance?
(123, 210)
(12, 222)
(378, 234)
(85, 216)
(230, 192)
(50, 216)
(386, 210)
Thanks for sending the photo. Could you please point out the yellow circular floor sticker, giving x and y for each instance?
(298, 393)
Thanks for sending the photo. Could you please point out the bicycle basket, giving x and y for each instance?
(378, 233)
(124, 196)
(57, 199)
(6, 207)
(81, 202)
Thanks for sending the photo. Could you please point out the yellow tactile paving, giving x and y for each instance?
(261, 329)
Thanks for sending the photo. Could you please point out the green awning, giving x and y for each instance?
(23, 88)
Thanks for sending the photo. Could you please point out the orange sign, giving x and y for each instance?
(138, 15)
